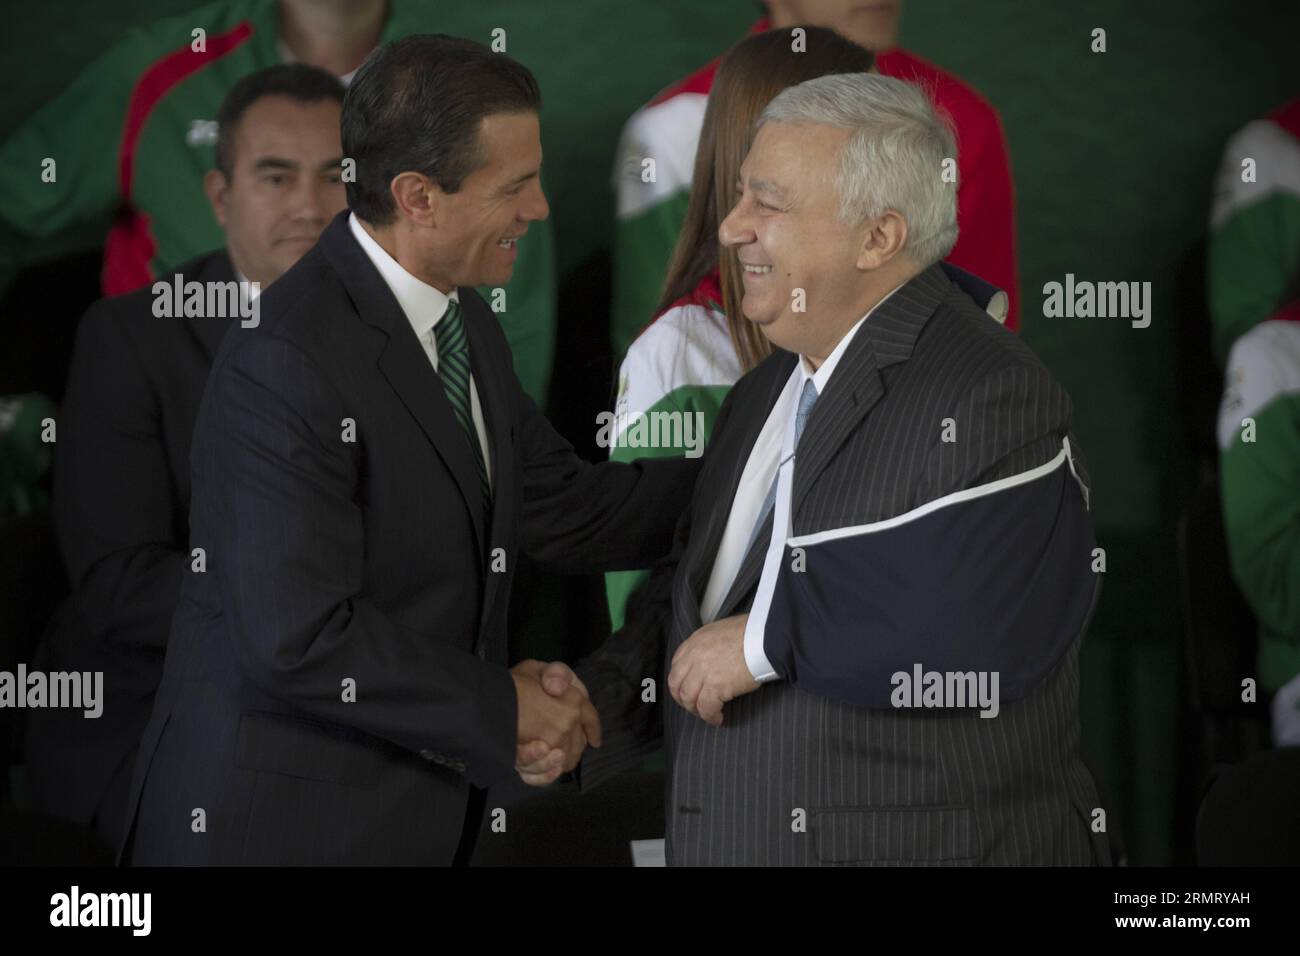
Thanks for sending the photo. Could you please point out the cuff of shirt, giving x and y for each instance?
(755, 658)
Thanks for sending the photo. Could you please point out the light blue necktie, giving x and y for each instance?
(807, 399)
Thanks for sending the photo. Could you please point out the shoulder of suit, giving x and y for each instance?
(962, 346)
(132, 313)
(306, 309)
(958, 323)
(305, 304)
(475, 307)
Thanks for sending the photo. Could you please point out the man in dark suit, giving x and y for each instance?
(367, 471)
(880, 588)
(122, 459)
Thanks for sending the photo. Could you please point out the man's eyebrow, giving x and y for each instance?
(522, 179)
(763, 186)
(334, 163)
(273, 162)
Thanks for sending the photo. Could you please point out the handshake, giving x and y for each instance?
(556, 721)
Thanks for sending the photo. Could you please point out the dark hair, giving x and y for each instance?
(416, 105)
(749, 77)
(306, 84)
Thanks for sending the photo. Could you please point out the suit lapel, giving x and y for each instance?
(778, 371)
(491, 383)
(208, 331)
(884, 339)
(405, 365)
(854, 389)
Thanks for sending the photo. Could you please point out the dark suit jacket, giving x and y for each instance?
(335, 678)
(121, 510)
(810, 769)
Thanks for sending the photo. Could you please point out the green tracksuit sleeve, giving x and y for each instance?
(654, 164)
(642, 247)
(1259, 460)
(59, 169)
(1254, 238)
(675, 425)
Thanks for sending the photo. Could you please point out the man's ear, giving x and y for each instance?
(215, 187)
(882, 240)
(418, 198)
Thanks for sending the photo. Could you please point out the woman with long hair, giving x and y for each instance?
(699, 342)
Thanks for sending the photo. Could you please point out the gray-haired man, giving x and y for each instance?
(878, 593)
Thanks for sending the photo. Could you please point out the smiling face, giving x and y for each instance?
(477, 228)
(285, 184)
(785, 231)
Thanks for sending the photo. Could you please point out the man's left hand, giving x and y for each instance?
(709, 669)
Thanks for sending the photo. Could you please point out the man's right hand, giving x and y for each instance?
(556, 721)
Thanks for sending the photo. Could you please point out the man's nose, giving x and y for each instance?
(309, 199)
(538, 207)
(735, 229)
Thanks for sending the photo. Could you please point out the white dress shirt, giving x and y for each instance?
(764, 459)
(254, 291)
(424, 307)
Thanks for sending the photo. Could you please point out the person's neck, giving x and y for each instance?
(822, 352)
(335, 35)
(872, 295)
(396, 242)
(250, 270)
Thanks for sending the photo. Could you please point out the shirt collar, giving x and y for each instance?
(821, 378)
(246, 283)
(423, 304)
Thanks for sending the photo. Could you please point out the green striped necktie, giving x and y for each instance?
(453, 368)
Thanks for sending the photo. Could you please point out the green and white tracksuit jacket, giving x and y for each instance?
(670, 388)
(1253, 251)
(1259, 456)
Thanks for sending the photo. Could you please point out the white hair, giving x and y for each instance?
(894, 158)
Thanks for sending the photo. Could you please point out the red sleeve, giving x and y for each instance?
(986, 212)
(986, 215)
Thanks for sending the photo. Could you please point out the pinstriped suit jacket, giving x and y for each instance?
(792, 778)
